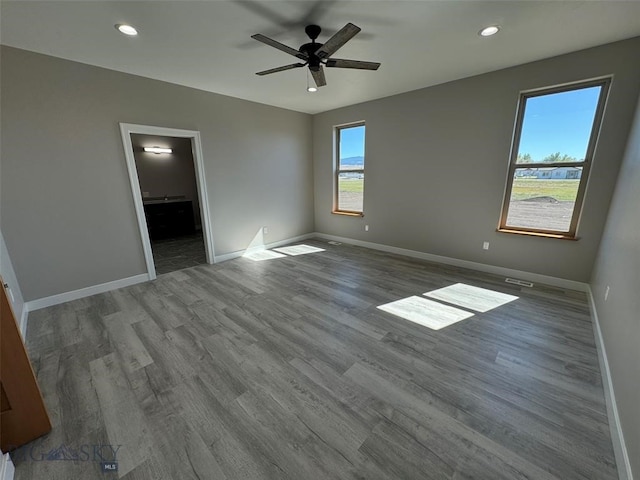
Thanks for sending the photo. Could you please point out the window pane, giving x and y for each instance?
(351, 191)
(543, 198)
(352, 148)
(556, 127)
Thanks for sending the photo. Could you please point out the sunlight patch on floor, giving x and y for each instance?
(473, 298)
(259, 255)
(298, 249)
(426, 312)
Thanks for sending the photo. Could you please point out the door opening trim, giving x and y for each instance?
(126, 129)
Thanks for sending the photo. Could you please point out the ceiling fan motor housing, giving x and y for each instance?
(310, 49)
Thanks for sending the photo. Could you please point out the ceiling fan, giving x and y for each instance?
(315, 54)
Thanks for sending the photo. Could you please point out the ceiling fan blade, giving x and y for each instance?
(344, 63)
(318, 77)
(341, 37)
(281, 69)
(279, 46)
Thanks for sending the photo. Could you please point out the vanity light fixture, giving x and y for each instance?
(157, 150)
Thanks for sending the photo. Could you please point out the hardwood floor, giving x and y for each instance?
(285, 369)
(171, 254)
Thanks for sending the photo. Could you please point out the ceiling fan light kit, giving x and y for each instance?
(310, 88)
(316, 55)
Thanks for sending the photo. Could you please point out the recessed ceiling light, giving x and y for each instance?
(127, 29)
(488, 31)
(312, 89)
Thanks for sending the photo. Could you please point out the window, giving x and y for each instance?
(554, 141)
(349, 171)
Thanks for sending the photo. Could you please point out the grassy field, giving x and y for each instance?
(352, 185)
(561, 190)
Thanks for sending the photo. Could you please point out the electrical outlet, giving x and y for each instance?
(606, 293)
(265, 230)
(366, 228)
(485, 246)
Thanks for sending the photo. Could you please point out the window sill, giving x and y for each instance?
(559, 236)
(348, 214)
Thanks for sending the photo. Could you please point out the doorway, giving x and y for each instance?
(169, 192)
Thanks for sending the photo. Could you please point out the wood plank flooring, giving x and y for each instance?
(285, 369)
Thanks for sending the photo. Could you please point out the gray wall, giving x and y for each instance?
(166, 174)
(67, 212)
(436, 164)
(618, 266)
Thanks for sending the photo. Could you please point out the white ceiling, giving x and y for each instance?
(207, 45)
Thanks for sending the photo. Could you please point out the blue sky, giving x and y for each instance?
(352, 142)
(559, 122)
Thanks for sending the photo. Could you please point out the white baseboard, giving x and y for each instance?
(279, 243)
(6, 467)
(507, 272)
(39, 303)
(617, 436)
(23, 323)
(32, 305)
(125, 282)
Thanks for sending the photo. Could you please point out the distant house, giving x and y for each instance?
(551, 173)
(352, 163)
(351, 175)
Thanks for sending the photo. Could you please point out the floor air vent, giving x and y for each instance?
(515, 281)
